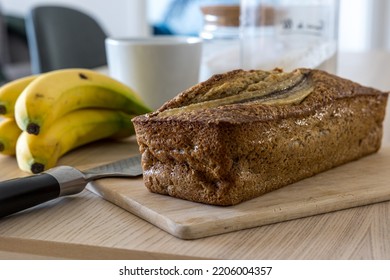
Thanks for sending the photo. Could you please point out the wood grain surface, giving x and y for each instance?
(354, 184)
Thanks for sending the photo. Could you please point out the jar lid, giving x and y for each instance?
(229, 15)
(222, 15)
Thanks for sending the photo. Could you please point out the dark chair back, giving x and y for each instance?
(62, 37)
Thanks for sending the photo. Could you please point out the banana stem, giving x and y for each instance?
(37, 168)
(33, 128)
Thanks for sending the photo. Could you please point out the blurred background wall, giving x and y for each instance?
(364, 24)
(118, 17)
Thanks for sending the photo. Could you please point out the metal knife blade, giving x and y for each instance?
(128, 167)
(22, 193)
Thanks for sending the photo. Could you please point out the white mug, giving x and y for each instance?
(157, 68)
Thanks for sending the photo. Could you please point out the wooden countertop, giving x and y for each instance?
(87, 227)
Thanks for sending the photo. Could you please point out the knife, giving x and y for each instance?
(25, 192)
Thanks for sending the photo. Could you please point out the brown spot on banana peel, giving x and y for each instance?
(39, 95)
(1, 147)
(83, 76)
(3, 110)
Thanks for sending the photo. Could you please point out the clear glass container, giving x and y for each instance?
(303, 34)
(221, 36)
(257, 34)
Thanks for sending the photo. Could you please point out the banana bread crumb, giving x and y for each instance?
(224, 153)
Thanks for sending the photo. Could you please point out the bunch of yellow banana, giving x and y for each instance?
(9, 131)
(55, 112)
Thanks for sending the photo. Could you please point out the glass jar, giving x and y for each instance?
(221, 37)
(304, 34)
(258, 40)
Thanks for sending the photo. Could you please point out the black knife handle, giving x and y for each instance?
(22, 193)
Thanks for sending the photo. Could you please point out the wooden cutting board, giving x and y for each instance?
(358, 183)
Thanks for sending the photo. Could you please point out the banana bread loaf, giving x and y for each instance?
(241, 134)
